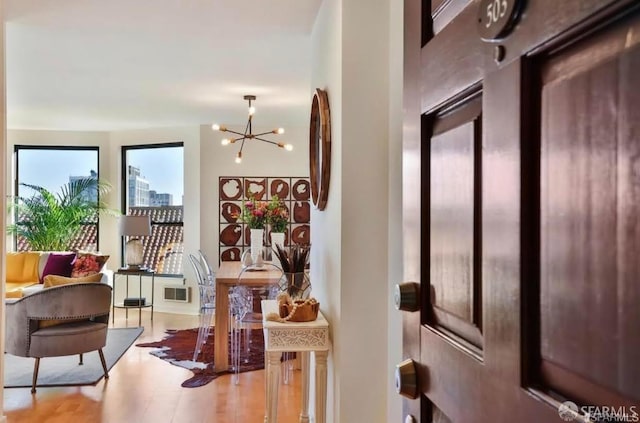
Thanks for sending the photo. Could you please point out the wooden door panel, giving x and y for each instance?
(528, 220)
(463, 59)
(443, 12)
(455, 284)
(589, 236)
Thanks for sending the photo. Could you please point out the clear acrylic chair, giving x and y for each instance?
(206, 289)
(211, 276)
(245, 316)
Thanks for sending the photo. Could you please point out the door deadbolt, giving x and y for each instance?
(406, 296)
(407, 379)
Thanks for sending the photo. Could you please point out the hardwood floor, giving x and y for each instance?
(143, 388)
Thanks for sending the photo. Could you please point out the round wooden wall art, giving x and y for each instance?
(320, 149)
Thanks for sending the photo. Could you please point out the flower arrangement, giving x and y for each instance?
(277, 215)
(254, 213)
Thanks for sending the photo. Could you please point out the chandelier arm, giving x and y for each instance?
(270, 142)
(265, 133)
(234, 132)
(247, 129)
(240, 138)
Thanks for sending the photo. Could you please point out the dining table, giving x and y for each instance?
(226, 277)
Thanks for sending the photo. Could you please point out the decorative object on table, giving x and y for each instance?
(133, 227)
(177, 349)
(235, 191)
(295, 280)
(290, 310)
(52, 221)
(248, 134)
(134, 301)
(254, 214)
(320, 149)
(247, 259)
(278, 218)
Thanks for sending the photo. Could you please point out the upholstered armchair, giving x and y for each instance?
(62, 320)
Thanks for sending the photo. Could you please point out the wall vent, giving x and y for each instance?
(178, 293)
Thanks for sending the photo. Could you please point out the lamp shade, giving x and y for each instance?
(135, 225)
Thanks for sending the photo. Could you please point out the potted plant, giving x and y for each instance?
(51, 222)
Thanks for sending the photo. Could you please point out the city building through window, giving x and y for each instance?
(52, 167)
(154, 179)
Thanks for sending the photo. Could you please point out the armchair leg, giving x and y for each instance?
(80, 363)
(35, 375)
(104, 364)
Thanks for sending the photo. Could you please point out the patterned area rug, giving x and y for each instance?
(177, 348)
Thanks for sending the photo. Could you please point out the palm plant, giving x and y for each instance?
(51, 222)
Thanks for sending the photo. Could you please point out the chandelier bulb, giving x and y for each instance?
(239, 158)
(279, 131)
(288, 147)
(215, 127)
(252, 110)
(225, 141)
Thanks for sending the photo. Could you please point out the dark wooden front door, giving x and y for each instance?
(522, 211)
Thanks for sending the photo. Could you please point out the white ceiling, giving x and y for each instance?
(129, 64)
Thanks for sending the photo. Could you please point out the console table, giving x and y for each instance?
(140, 273)
(301, 337)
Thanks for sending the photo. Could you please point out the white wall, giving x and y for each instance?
(355, 240)
(395, 260)
(326, 226)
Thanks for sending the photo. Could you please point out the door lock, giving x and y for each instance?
(407, 296)
(406, 379)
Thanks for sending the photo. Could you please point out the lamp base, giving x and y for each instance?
(134, 254)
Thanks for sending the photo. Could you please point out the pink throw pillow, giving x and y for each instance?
(88, 264)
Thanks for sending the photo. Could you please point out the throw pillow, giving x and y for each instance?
(88, 264)
(55, 280)
(22, 267)
(59, 264)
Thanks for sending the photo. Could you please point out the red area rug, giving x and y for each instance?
(178, 346)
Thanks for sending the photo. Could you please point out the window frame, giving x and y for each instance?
(125, 192)
(16, 180)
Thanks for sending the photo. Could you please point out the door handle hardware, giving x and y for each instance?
(406, 296)
(406, 379)
(410, 419)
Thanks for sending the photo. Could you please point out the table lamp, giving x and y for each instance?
(134, 227)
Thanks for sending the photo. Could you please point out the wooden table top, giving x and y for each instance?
(229, 271)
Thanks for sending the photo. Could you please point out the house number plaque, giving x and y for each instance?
(496, 18)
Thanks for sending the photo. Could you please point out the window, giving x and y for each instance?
(52, 167)
(154, 179)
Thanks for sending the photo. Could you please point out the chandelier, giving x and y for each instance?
(248, 134)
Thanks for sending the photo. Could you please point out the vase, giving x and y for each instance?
(277, 238)
(257, 236)
(296, 284)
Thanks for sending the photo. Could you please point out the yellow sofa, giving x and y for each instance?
(24, 272)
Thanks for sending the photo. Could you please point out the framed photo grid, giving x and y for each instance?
(234, 237)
